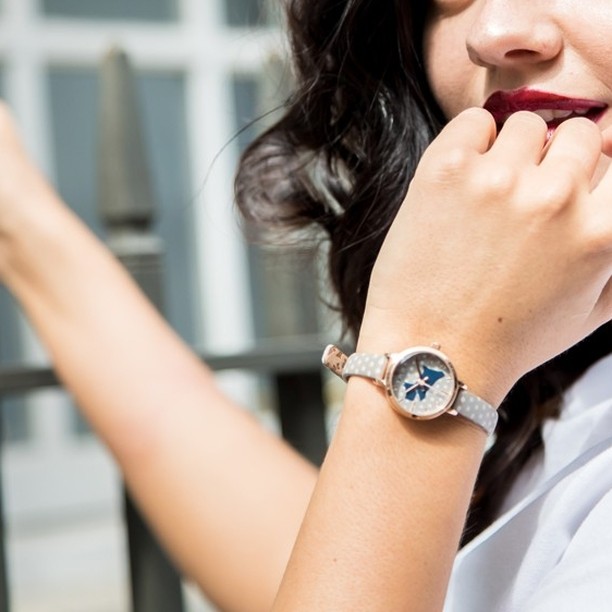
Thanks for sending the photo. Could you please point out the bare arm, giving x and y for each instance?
(501, 254)
(226, 497)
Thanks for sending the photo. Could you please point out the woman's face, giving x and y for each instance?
(553, 57)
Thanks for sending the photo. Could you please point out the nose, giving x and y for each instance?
(508, 33)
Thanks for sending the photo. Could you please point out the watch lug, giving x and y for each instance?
(382, 381)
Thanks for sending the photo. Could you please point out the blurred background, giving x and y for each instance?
(204, 69)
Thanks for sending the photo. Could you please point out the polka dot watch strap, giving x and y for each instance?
(474, 409)
(467, 405)
(362, 364)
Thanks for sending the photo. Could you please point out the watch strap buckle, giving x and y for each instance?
(334, 360)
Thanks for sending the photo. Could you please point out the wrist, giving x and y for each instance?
(478, 366)
(419, 383)
(32, 237)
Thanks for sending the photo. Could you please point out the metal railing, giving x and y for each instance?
(127, 208)
(296, 377)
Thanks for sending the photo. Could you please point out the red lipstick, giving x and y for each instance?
(553, 108)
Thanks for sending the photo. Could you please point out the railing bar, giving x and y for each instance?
(16, 379)
(23, 379)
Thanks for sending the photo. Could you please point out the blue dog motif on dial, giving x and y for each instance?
(419, 389)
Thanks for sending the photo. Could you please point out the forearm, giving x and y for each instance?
(226, 497)
(387, 514)
(90, 316)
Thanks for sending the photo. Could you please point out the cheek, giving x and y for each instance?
(449, 70)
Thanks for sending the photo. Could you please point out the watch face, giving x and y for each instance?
(422, 383)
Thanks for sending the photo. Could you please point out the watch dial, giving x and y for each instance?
(423, 385)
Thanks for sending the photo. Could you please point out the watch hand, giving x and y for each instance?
(418, 365)
(425, 380)
(416, 385)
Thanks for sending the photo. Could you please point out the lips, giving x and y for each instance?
(554, 109)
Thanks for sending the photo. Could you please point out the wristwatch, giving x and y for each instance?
(419, 382)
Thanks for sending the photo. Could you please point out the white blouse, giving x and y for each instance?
(551, 548)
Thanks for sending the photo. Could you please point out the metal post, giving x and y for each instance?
(127, 208)
(4, 585)
(4, 588)
(302, 412)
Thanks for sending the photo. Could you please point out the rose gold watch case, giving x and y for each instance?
(394, 360)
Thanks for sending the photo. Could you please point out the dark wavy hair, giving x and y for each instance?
(340, 159)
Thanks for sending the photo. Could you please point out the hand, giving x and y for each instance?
(509, 245)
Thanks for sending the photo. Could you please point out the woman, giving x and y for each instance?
(499, 252)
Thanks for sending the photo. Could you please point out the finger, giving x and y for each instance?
(576, 144)
(606, 144)
(522, 139)
(473, 129)
(603, 183)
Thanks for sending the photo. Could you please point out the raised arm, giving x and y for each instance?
(226, 497)
(500, 253)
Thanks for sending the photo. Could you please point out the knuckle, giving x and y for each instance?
(554, 195)
(453, 164)
(498, 180)
(457, 160)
